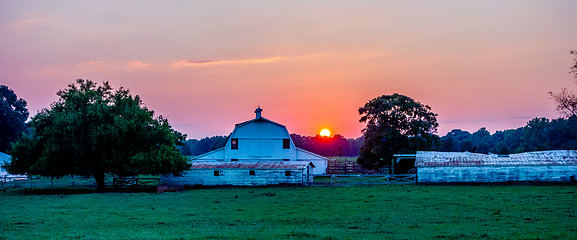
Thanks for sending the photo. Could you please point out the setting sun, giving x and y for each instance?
(325, 133)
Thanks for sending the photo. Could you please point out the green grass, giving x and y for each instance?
(366, 212)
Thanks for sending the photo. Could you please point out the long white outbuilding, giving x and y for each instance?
(454, 167)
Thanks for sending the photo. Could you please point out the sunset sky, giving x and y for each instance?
(207, 65)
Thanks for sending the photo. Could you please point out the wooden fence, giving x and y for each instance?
(84, 181)
(44, 182)
(135, 182)
(348, 180)
(342, 166)
(75, 181)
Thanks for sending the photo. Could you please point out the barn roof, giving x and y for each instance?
(261, 119)
(288, 165)
(555, 157)
(306, 155)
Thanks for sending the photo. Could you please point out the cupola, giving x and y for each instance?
(258, 113)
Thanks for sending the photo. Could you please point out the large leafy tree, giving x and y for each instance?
(395, 124)
(13, 115)
(94, 130)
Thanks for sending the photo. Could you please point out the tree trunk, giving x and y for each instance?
(99, 178)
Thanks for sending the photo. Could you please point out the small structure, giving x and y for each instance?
(452, 167)
(258, 152)
(247, 173)
(404, 163)
(4, 159)
(4, 175)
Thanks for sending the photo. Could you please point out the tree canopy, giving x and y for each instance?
(94, 130)
(395, 124)
(13, 115)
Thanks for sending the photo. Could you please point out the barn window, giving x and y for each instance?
(251, 172)
(288, 173)
(234, 143)
(218, 173)
(234, 160)
(286, 143)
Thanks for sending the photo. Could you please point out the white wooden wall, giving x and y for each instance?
(541, 173)
(240, 177)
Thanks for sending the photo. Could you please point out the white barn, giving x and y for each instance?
(259, 145)
(543, 166)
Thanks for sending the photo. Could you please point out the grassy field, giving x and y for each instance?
(366, 212)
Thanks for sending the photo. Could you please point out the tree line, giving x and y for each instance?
(539, 134)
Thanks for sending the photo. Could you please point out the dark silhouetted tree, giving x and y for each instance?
(453, 140)
(535, 137)
(567, 100)
(94, 130)
(481, 141)
(395, 124)
(13, 115)
(574, 67)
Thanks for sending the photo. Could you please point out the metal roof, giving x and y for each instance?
(555, 157)
(309, 153)
(250, 164)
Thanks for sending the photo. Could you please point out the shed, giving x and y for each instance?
(244, 173)
(4, 159)
(542, 166)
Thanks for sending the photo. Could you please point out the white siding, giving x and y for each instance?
(320, 162)
(260, 140)
(240, 177)
(543, 173)
(541, 166)
(260, 129)
(260, 149)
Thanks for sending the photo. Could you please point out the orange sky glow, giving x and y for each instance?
(207, 65)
